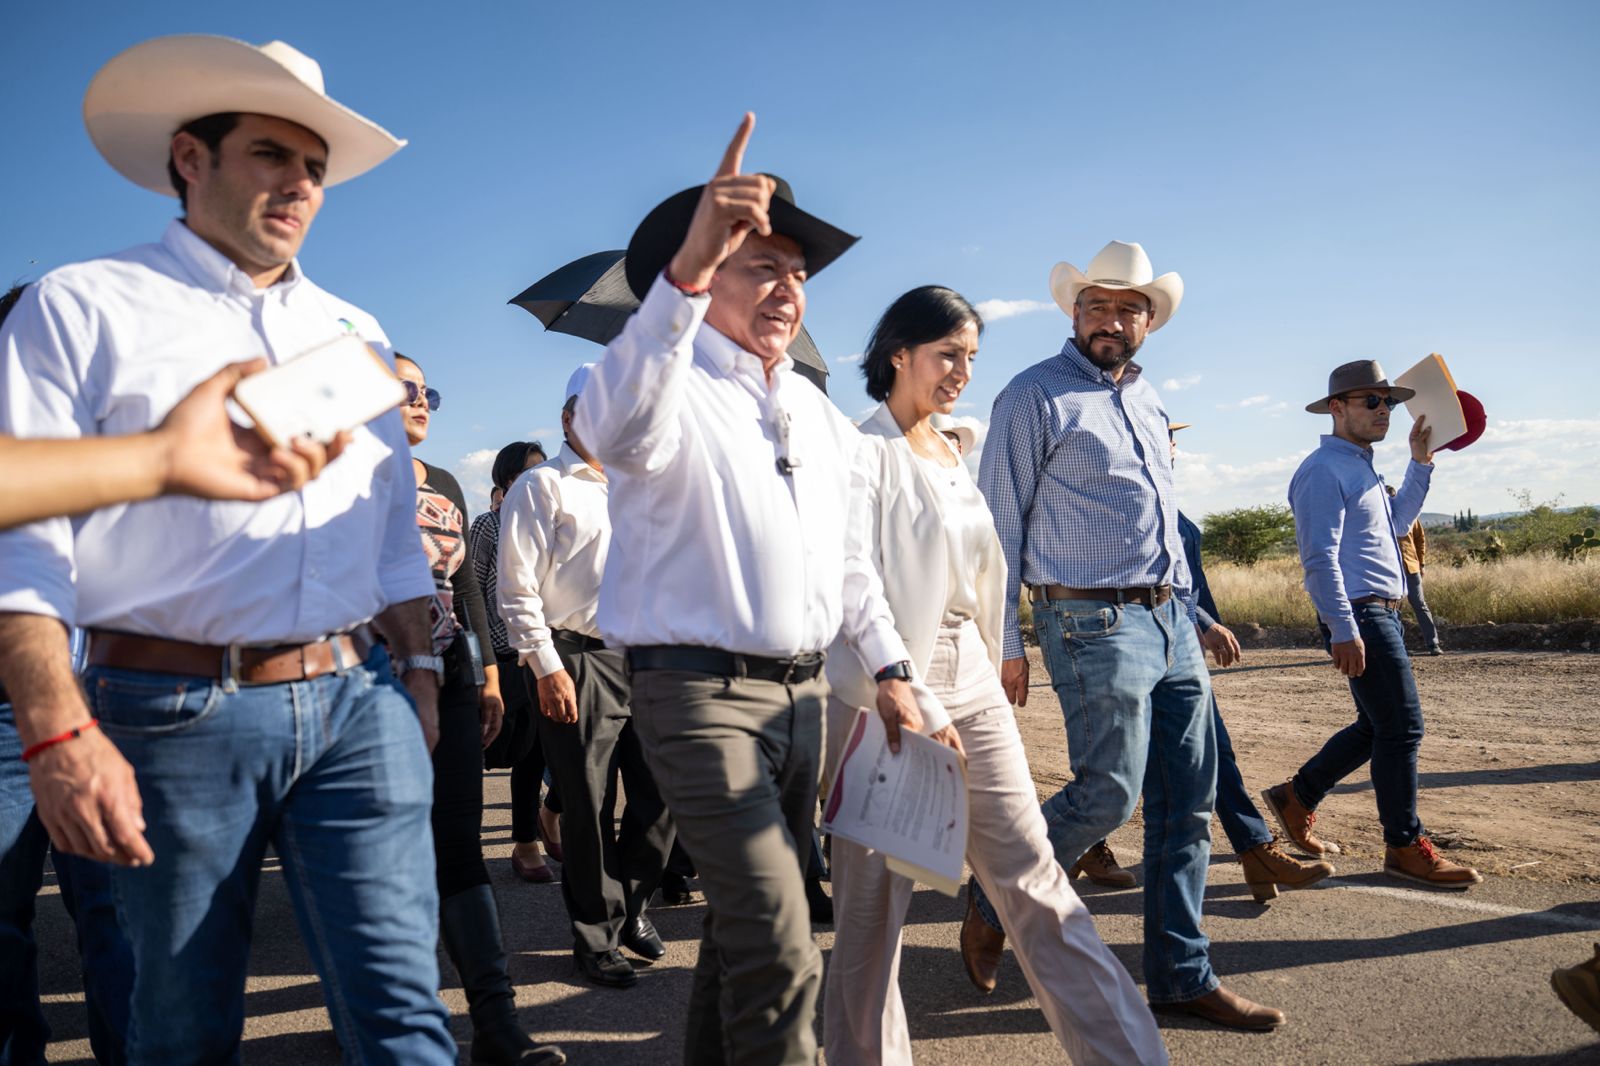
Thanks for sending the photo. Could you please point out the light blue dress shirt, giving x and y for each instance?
(1347, 528)
(1078, 474)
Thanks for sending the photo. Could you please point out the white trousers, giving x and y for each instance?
(1093, 1007)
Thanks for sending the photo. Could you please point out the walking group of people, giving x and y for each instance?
(311, 648)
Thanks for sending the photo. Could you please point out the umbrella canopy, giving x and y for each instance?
(590, 298)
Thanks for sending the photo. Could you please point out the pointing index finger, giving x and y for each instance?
(733, 158)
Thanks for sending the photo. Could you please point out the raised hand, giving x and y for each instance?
(1420, 434)
(731, 206)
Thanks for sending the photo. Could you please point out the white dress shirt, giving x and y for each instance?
(108, 347)
(711, 545)
(554, 533)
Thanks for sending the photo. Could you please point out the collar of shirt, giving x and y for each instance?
(1080, 364)
(1339, 444)
(215, 272)
(571, 464)
(733, 361)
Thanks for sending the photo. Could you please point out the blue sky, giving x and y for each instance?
(1333, 182)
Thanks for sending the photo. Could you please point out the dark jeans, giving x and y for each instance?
(86, 891)
(607, 874)
(458, 787)
(1387, 731)
(1419, 606)
(1236, 811)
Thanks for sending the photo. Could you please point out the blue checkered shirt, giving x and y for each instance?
(1078, 474)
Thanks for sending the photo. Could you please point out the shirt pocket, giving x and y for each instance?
(134, 702)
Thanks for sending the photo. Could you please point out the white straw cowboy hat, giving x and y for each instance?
(1120, 266)
(139, 99)
(963, 432)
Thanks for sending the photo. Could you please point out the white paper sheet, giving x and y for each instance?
(1435, 399)
(912, 807)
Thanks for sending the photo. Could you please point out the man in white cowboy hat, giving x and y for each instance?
(1348, 530)
(727, 578)
(555, 532)
(235, 696)
(1078, 474)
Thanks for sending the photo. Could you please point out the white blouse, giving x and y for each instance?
(968, 531)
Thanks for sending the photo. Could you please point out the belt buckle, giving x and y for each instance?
(230, 668)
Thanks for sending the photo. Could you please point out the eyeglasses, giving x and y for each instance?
(1371, 399)
(415, 394)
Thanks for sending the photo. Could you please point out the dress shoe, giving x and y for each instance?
(550, 832)
(1099, 865)
(1423, 864)
(1295, 821)
(1579, 988)
(1434, 649)
(1267, 867)
(640, 937)
(538, 873)
(675, 890)
(981, 946)
(1221, 1007)
(819, 901)
(607, 968)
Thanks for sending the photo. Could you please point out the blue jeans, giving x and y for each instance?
(334, 774)
(1387, 730)
(86, 891)
(1136, 698)
(1236, 811)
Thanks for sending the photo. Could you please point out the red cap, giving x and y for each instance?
(1472, 411)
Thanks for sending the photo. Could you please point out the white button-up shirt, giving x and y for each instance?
(554, 533)
(108, 347)
(711, 545)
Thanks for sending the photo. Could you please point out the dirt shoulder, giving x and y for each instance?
(1508, 768)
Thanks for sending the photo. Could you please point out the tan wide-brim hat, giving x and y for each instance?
(1119, 265)
(964, 433)
(139, 99)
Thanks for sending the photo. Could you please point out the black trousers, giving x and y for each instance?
(527, 773)
(607, 875)
(458, 786)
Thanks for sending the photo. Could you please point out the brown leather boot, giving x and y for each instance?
(1579, 988)
(1267, 866)
(1295, 821)
(1226, 1008)
(1422, 864)
(981, 946)
(1099, 864)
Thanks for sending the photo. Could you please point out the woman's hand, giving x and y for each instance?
(950, 739)
(897, 707)
(491, 708)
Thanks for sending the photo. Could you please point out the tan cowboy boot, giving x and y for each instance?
(1295, 821)
(1222, 1007)
(1267, 866)
(1579, 988)
(1422, 864)
(981, 946)
(1099, 864)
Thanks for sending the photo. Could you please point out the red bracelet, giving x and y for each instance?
(680, 286)
(72, 734)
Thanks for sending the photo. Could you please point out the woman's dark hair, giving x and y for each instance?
(925, 314)
(511, 461)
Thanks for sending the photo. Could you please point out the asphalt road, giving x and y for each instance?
(1367, 971)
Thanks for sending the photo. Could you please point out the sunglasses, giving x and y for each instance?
(416, 393)
(1371, 399)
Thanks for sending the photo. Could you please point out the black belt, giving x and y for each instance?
(698, 660)
(577, 641)
(1149, 595)
(1359, 601)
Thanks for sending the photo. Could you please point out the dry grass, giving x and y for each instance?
(1528, 588)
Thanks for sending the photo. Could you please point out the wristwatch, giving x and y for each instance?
(900, 671)
(435, 663)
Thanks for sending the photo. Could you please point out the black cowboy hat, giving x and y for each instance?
(661, 234)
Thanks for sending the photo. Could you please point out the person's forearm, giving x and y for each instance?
(406, 627)
(52, 478)
(36, 670)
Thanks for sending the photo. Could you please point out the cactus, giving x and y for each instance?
(1579, 545)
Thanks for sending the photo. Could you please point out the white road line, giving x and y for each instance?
(1461, 903)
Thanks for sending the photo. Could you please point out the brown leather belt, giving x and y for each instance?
(1393, 605)
(272, 665)
(1149, 596)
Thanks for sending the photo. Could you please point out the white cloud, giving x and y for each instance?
(1248, 401)
(846, 360)
(995, 310)
(1188, 381)
(474, 473)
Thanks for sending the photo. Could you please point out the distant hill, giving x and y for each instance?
(1432, 519)
(1429, 519)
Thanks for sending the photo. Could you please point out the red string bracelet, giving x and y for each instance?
(72, 734)
(681, 287)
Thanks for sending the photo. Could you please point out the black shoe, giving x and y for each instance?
(469, 925)
(1435, 649)
(675, 891)
(821, 905)
(640, 937)
(607, 968)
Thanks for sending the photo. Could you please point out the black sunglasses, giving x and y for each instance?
(414, 392)
(1371, 399)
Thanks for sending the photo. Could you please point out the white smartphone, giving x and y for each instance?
(334, 386)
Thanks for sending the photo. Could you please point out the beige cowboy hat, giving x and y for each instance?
(142, 96)
(963, 431)
(1120, 266)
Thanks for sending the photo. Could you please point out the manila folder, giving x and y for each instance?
(1435, 400)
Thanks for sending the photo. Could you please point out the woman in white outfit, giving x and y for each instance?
(934, 545)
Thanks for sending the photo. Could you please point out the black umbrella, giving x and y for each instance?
(590, 298)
